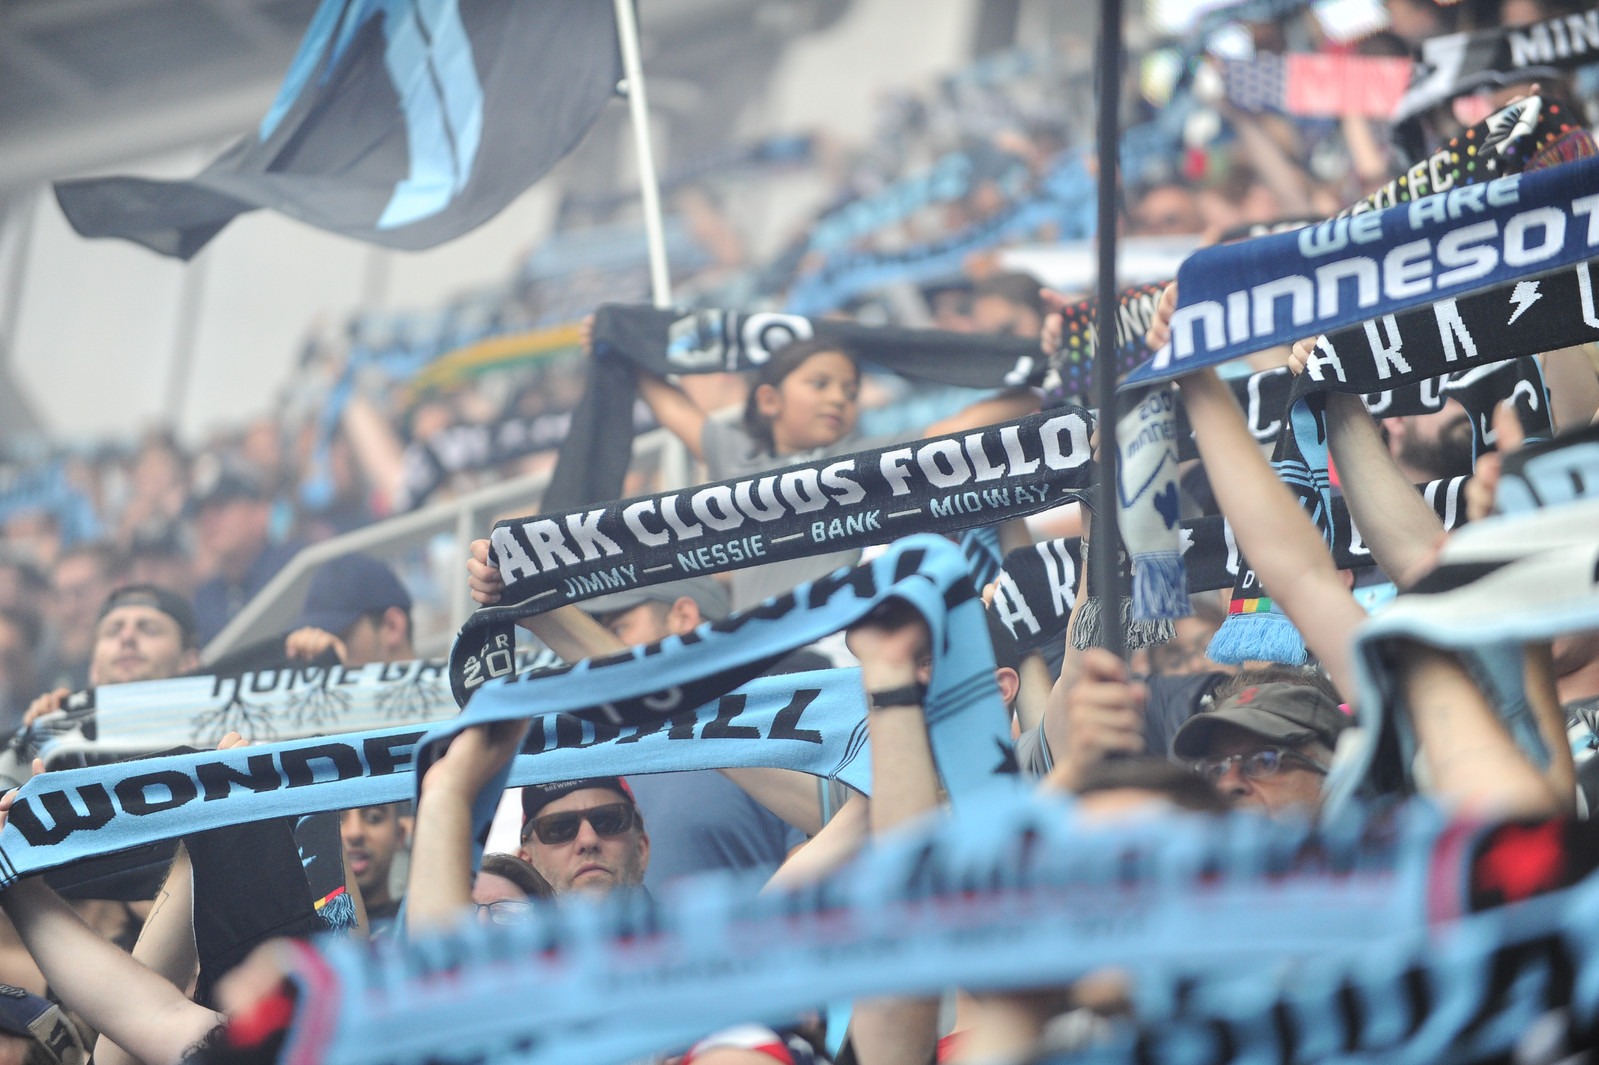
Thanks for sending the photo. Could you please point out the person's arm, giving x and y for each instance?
(1003, 406)
(1470, 759)
(439, 885)
(574, 635)
(134, 1007)
(787, 793)
(1572, 378)
(1544, 699)
(674, 410)
(1395, 522)
(895, 1031)
(165, 946)
(137, 1009)
(377, 449)
(1273, 532)
(838, 841)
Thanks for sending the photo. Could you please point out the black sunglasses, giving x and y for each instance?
(609, 820)
(1264, 762)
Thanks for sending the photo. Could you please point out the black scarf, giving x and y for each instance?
(942, 484)
(595, 455)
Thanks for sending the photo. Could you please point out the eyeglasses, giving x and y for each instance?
(505, 911)
(1256, 764)
(609, 820)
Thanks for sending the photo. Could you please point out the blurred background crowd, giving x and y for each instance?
(970, 190)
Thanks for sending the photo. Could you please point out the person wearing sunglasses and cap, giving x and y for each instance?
(585, 835)
(1268, 746)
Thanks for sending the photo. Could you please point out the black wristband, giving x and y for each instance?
(904, 695)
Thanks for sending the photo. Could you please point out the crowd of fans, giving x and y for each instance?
(120, 565)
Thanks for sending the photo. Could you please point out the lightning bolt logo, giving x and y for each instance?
(1524, 295)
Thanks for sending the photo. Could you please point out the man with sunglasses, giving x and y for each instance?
(1268, 746)
(584, 835)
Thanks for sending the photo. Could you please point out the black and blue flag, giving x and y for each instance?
(401, 122)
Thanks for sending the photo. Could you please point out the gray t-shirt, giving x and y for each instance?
(731, 452)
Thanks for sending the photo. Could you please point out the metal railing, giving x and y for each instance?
(428, 549)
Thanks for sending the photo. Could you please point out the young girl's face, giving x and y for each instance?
(814, 406)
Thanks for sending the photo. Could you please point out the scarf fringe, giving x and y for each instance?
(1160, 587)
(1089, 632)
(337, 912)
(1267, 636)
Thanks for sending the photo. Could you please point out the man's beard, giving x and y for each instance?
(1446, 455)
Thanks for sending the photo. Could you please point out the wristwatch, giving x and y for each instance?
(904, 695)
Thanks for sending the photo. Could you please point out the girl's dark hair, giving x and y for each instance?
(519, 872)
(784, 361)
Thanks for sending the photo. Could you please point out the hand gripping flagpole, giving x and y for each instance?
(1104, 544)
(638, 109)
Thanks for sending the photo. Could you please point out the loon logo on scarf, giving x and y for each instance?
(1011, 892)
(942, 484)
(1148, 504)
(1550, 473)
(648, 687)
(595, 454)
(1499, 144)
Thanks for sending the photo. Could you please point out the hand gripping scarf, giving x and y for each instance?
(122, 720)
(1254, 627)
(1147, 486)
(1500, 583)
(648, 688)
(942, 484)
(595, 454)
(1011, 892)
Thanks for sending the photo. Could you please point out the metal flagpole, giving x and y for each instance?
(1105, 542)
(638, 108)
